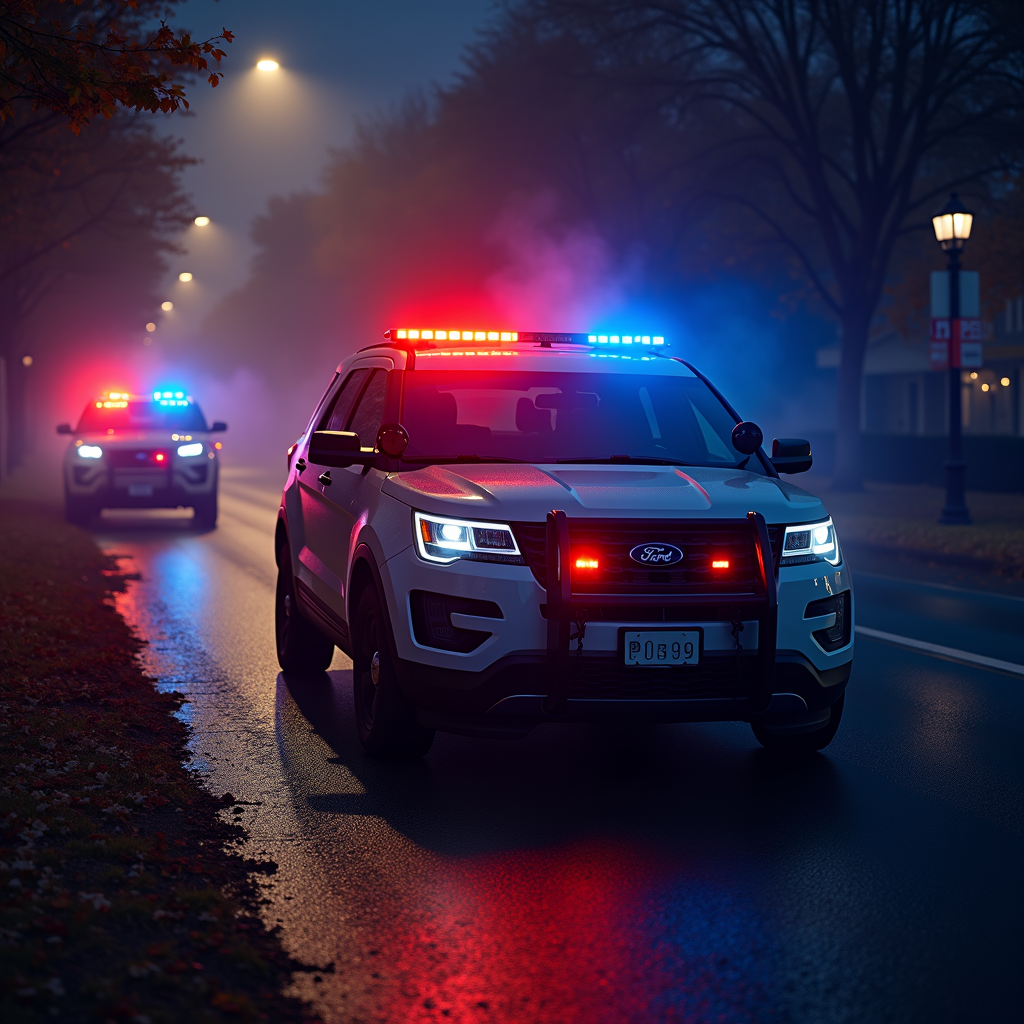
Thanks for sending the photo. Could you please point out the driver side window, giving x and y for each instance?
(369, 414)
(338, 411)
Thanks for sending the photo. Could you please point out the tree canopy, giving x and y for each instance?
(79, 59)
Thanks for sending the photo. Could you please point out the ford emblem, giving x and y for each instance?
(656, 554)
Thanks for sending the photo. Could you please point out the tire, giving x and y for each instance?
(385, 719)
(301, 648)
(804, 742)
(205, 511)
(78, 511)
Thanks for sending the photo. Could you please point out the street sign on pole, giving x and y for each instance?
(955, 343)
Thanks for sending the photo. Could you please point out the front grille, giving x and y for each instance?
(722, 677)
(610, 543)
(139, 458)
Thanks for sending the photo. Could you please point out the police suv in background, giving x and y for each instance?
(504, 529)
(141, 451)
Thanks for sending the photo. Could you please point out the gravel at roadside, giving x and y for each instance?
(119, 897)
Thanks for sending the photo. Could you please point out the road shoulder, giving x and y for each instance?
(118, 892)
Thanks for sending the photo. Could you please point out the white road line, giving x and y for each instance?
(942, 652)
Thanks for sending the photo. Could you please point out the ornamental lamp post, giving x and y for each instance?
(952, 229)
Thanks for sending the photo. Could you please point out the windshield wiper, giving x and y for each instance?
(636, 460)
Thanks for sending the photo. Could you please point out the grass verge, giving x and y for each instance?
(903, 520)
(118, 898)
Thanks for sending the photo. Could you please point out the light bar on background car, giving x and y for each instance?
(169, 398)
(544, 338)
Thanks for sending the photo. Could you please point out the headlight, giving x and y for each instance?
(445, 540)
(90, 451)
(811, 542)
(188, 450)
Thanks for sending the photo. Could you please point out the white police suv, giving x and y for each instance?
(504, 528)
(141, 451)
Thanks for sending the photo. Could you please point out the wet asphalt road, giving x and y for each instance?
(589, 874)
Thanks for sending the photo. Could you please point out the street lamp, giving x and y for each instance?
(952, 229)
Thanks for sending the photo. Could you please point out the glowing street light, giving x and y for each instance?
(201, 222)
(952, 225)
(151, 328)
(185, 277)
(167, 306)
(267, 64)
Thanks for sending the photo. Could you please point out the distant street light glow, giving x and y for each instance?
(167, 306)
(150, 328)
(27, 361)
(267, 65)
(185, 277)
(201, 222)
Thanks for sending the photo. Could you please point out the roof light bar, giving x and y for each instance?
(625, 339)
(545, 338)
(420, 334)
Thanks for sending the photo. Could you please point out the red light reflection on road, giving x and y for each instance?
(574, 936)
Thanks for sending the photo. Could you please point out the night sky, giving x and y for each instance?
(263, 134)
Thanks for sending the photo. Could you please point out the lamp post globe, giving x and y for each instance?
(952, 226)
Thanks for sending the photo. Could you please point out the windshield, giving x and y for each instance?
(141, 416)
(566, 417)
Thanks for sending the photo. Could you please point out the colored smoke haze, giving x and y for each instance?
(556, 277)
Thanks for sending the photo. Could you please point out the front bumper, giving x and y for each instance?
(526, 670)
(181, 484)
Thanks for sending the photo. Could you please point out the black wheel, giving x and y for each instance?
(78, 511)
(301, 647)
(205, 511)
(803, 742)
(386, 721)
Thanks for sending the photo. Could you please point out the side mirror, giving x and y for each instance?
(64, 428)
(218, 427)
(393, 439)
(338, 449)
(791, 455)
(747, 437)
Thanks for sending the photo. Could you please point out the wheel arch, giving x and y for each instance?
(280, 538)
(366, 573)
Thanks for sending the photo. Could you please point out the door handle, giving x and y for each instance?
(301, 465)
(325, 478)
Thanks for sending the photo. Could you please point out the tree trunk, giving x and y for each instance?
(847, 474)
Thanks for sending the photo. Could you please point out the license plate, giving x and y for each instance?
(140, 490)
(663, 647)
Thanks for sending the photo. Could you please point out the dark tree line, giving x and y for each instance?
(799, 144)
(90, 196)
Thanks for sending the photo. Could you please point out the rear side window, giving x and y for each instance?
(339, 409)
(369, 414)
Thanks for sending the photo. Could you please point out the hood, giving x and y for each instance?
(527, 493)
